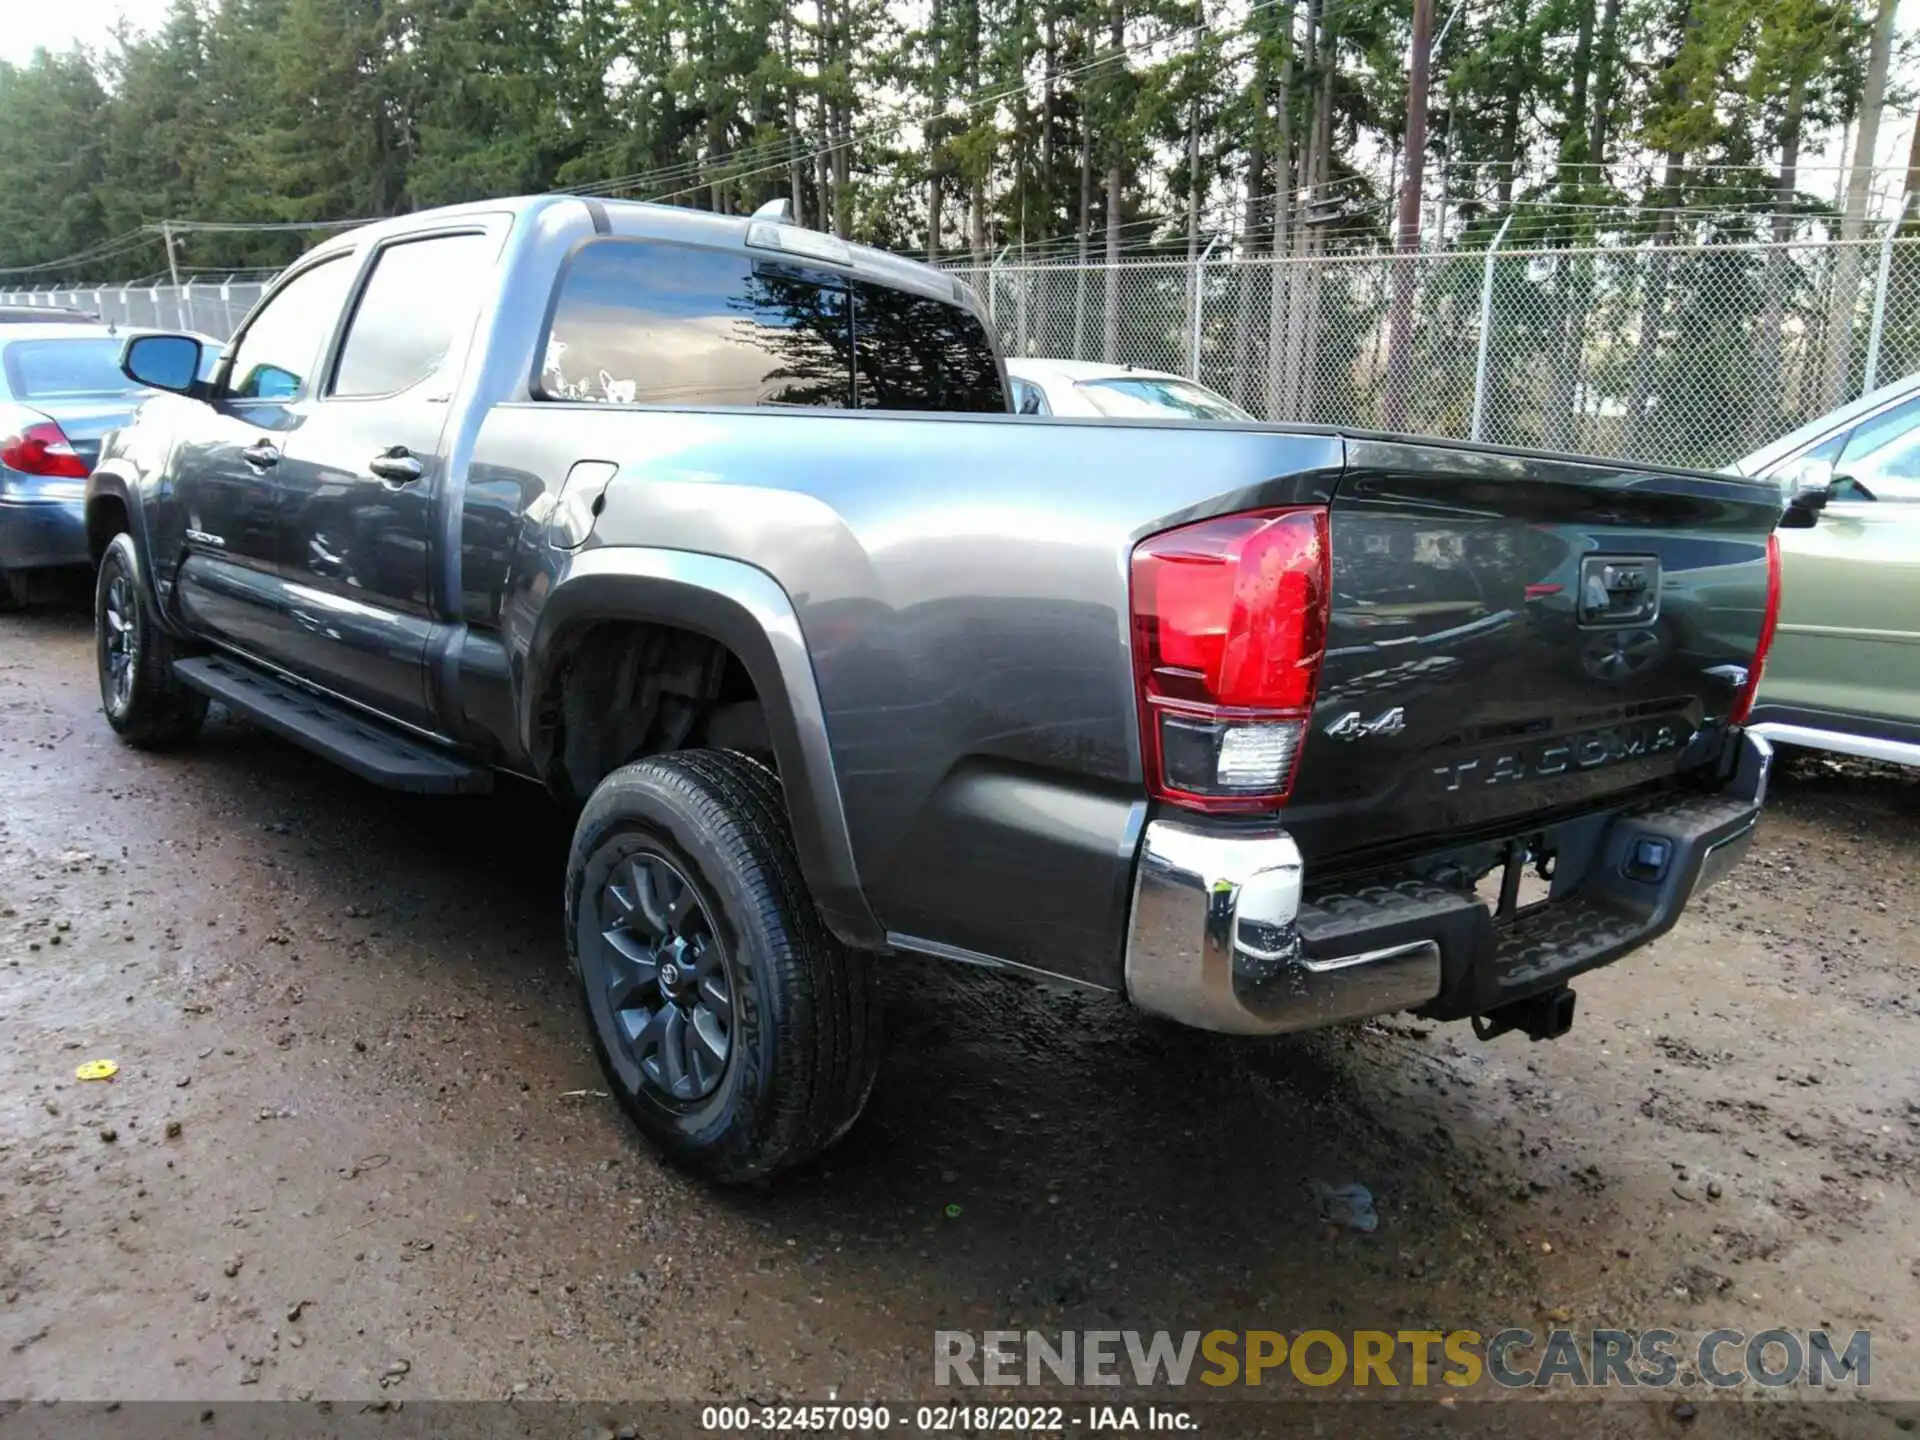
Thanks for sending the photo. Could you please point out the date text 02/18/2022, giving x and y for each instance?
(941, 1419)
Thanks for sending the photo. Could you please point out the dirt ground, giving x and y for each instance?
(355, 1149)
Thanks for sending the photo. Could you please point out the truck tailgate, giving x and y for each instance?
(1514, 636)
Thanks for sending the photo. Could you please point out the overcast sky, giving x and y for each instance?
(56, 26)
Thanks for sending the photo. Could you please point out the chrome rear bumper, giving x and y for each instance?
(1243, 972)
(1221, 939)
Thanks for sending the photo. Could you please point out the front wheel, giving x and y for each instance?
(739, 1034)
(143, 701)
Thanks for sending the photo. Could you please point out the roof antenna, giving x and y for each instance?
(779, 210)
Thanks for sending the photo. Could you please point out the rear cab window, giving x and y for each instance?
(913, 352)
(654, 322)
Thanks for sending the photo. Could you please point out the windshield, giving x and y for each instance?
(65, 369)
(1141, 395)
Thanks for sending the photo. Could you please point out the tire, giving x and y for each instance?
(684, 894)
(143, 702)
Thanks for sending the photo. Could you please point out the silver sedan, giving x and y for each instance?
(1088, 388)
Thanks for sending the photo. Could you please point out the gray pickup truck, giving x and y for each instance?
(720, 530)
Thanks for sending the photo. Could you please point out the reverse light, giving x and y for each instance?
(1229, 624)
(1769, 619)
(42, 448)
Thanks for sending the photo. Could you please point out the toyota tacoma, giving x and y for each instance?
(720, 529)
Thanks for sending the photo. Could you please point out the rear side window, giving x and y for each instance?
(418, 303)
(1151, 397)
(914, 352)
(1883, 454)
(656, 323)
(64, 369)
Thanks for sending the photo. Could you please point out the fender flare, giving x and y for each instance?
(108, 484)
(746, 610)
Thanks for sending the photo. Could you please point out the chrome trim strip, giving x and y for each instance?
(1865, 747)
(1753, 767)
(1365, 957)
(960, 955)
(1721, 858)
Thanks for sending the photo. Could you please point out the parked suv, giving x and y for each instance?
(1845, 669)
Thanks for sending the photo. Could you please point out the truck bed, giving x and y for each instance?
(961, 585)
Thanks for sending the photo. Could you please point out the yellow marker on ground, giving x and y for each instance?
(97, 1070)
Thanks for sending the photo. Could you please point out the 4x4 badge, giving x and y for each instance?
(1351, 727)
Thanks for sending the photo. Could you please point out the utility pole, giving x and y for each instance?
(1853, 217)
(173, 265)
(1193, 159)
(1407, 226)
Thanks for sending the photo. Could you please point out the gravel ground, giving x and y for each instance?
(356, 1148)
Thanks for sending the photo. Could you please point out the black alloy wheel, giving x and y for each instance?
(734, 1029)
(119, 641)
(664, 979)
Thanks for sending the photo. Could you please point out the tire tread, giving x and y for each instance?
(162, 711)
(823, 1002)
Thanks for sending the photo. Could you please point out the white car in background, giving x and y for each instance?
(1119, 392)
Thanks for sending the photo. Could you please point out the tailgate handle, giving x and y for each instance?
(1619, 589)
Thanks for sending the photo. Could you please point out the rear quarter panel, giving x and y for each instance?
(961, 583)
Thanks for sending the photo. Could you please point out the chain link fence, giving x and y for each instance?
(1688, 354)
(206, 307)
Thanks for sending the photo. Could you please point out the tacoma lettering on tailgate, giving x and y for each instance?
(1589, 750)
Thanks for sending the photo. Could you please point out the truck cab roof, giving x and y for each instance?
(643, 220)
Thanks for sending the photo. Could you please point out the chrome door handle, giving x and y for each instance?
(397, 466)
(262, 455)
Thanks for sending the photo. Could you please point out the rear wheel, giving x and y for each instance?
(143, 701)
(736, 1031)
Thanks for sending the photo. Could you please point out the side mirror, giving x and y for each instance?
(162, 362)
(1805, 505)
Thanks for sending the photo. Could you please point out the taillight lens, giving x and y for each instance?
(1743, 702)
(1229, 624)
(42, 449)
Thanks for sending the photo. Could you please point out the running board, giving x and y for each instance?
(370, 750)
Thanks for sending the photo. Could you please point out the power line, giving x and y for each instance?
(203, 226)
(790, 149)
(103, 250)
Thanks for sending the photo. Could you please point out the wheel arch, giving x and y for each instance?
(113, 508)
(743, 610)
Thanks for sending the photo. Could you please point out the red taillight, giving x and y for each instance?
(1229, 624)
(1743, 702)
(42, 449)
